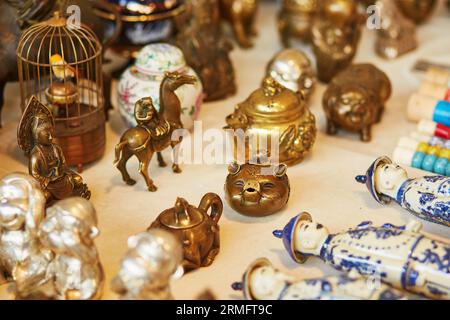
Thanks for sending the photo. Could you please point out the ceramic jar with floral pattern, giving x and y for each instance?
(143, 79)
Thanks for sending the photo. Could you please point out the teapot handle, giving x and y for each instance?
(105, 6)
(213, 201)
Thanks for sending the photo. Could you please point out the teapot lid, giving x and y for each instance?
(158, 58)
(273, 103)
(182, 216)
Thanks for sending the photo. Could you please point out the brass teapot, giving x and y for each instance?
(197, 230)
(275, 110)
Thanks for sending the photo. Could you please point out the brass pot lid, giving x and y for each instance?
(273, 103)
(182, 216)
(62, 93)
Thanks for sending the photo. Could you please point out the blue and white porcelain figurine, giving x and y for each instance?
(426, 197)
(262, 281)
(400, 256)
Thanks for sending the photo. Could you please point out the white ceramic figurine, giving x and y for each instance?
(400, 256)
(262, 281)
(426, 197)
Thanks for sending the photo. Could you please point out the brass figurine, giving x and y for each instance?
(22, 209)
(47, 163)
(241, 15)
(69, 230)
(417, 10)
(355, 99)
(154, 130)
(257, 190)
(335, 36)
(295, 20)
(152, 260)
(197, 231)
(292, 69)
(274, 108)
(206, 50)
(397, 35)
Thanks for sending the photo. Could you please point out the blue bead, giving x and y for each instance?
(441, 165)
(428, 162)
(447, 170)
(417, 160)
(442, 113)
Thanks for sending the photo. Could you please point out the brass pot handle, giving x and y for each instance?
(212, 201)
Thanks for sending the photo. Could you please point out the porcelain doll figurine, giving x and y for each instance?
(426, 197)
(401, 256)
(262, 281)
(47, 163)
(69, 230)
(22, 208)
(152, 259)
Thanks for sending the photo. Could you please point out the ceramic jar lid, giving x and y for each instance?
(158, 58)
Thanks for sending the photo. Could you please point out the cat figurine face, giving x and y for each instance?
(257, 190)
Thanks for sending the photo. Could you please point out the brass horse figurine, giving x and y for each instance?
(154, 130)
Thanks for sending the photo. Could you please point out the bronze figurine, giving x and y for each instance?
(335, 36)
(295, 20)
(154, 130)
(417, 10)
(46, 159)
(397, 35)
(355, 99)
(206, 50)
(197, 231)
(257, 190)
(241, 15)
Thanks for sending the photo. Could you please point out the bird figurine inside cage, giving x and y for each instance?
(59, 62)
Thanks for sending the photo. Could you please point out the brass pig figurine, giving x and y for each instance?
(196, 230)
(241, 15)
(257, 190)
(295, 20)
(355, 99)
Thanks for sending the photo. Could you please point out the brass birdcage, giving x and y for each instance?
(60, 64)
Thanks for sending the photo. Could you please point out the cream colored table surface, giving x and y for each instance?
(324, 184)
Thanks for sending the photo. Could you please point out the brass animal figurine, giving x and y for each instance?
(257, 190)
(154, 130)
(241, 15)
(197, 231)
(335, 36)
(295, 20)
(47, 163)
(355, 99)
(206, 50)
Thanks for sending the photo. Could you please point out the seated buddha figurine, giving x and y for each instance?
(46, 159)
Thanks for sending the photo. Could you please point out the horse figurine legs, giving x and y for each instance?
(121, 164)
(161, 161)
(145, 157)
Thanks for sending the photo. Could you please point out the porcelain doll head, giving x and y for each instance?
(70, 228)
(153, 258)
(22, 203)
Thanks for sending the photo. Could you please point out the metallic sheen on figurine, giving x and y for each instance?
(257, 190)
(355, 99)
(295, 19)
(22, 209)
(426, 197)
(397, 35)
(262, 281)
(241, 15)
(335, 36)
(271, 108)
(401, 256)
(152, 260)
(47, 163)
(417, 10)
(153, 132)
(196, 230)
(292, 69)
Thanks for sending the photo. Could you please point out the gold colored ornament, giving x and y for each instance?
(295, 20)
(276, 109)
(417, 10)
(257, 190)
(241, 15)
(197, 231)
(292, 69)
(153, 132)
(355, 99)
(47, 163)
